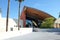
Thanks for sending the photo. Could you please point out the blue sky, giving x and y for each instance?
(51, 7)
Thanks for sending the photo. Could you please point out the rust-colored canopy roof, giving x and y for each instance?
(34, 13)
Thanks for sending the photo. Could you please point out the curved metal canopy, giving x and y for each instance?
(33, 13)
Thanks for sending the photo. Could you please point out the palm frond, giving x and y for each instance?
(19, 0)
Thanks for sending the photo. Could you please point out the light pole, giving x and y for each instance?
(7, 15)
(19, 13)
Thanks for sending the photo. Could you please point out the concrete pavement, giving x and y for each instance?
(38, 36)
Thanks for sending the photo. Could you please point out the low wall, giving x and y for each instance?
(26, 29)
(9, 34)
(15, 29)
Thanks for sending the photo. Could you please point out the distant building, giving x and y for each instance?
(11, 23)
(57, 22)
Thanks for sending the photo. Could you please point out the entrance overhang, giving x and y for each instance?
(33, 14)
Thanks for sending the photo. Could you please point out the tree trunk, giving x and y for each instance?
(19, 17)
(7, 15)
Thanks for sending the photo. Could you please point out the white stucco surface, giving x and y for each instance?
(57, 21)
(11, 24)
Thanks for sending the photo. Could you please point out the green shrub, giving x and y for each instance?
(47, 23)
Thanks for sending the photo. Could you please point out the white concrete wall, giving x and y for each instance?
(26, 29)
(11, 23)
(9, 34)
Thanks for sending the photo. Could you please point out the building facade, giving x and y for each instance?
(11, 23)
(57, 22)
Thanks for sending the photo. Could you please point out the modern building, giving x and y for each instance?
(57, 22)
(31, 16)
(35, 16)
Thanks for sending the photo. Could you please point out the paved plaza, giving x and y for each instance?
(38, 36)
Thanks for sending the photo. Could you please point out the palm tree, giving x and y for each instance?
(19, 13)
(7, 15)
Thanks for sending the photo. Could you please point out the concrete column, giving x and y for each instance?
(54, 25)
(58, 25)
